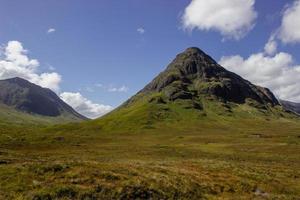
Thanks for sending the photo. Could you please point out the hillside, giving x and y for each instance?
(194, 87)
(197, 131)
(291, 106)
(25, 102)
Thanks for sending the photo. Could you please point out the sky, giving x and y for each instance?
(95, 54)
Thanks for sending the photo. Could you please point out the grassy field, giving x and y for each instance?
(193, 159)
(151, 150)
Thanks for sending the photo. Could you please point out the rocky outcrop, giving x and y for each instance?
(193, 73)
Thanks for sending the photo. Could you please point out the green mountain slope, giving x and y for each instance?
(196, 132)
(9, 116)
(248, 158)
(194, 88)
(25, 102)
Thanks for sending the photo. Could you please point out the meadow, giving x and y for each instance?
(192, 159)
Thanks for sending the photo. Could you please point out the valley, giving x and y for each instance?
(197, 131)
(242, 159)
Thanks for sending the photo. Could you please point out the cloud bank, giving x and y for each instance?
(14, 62)
(233, 19)
(85, 106)
(272, 69)
(289, 31)
(277, 72)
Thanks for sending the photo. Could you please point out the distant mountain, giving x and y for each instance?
(23, 96)
(193, 87)
(291, 106)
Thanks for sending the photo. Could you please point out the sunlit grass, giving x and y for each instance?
(158, 151)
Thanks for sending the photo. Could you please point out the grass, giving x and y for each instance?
(156, 151)
(10, 117)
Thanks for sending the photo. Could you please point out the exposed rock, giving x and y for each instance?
(158, 100)
(193, 74)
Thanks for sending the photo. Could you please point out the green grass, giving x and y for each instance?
(10, 116)
(156, 151)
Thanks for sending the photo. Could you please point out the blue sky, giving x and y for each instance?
(107, 50)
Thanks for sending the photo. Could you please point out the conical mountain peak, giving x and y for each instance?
(192, 60)
(195, 53)
(194, 87)
(194, 74)
(193, 50)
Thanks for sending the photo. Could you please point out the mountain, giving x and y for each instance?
(291, 106)
(22, 99)
(197, 131)
(193, 73)
(193, 87)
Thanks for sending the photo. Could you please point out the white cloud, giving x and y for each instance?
(14, 62)
(271, 46)
(120, 89)
(290, 27)
(277, 72)
(51, 30)
(141, 30)
(233, 19)
(85, 106)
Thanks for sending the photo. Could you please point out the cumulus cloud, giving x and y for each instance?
(277, 72)
(233, 19)
(141, 30)
(85, 106)
(290, 26)
(14, 62)
(51, 30)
